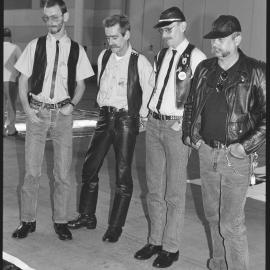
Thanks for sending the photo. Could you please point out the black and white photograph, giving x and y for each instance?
(134, 135)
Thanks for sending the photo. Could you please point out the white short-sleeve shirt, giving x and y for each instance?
(83, 69)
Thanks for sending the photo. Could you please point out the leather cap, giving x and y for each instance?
(224, 26)
(170, 15)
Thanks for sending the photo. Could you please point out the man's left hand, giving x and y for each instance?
(237, 150)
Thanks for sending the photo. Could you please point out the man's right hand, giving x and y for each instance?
(31, 114)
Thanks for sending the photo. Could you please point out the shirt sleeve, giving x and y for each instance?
(84, 69)
(18, 52)
(26, 60)
(146, 75)
(196, 57)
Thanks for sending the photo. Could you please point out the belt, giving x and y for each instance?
(215, 144)
(35, 104)
(111, 109)
(159, 116)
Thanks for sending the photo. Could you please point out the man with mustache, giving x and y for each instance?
(225, 120)
(166, 155)
(57, 66)
(124, 81)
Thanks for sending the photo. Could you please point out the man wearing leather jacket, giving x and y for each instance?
(225, 119)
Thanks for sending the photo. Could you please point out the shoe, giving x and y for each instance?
(147, 252)
(83, 220)
(62, 230)
(165, 259)
(112, 234)
(24, 228)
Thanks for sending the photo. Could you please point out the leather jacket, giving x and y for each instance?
(246, 100)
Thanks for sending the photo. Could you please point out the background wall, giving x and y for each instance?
(199, 14)
(24, 19)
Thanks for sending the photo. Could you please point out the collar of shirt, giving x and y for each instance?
(181, 47)
(51, 40)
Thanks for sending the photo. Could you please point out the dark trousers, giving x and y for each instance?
(119, 129)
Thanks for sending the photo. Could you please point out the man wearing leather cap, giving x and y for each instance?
(225, 119)
(166, 155)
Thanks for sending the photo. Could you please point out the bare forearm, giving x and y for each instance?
(79, 91)
(23, 92)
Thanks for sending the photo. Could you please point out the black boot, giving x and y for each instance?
(83, 220)
(87, 207)
(24, 228)
(88, 198)
(112, 234)
(119, 213)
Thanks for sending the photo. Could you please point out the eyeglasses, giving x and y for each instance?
(167, 30)
(223, 76)
(53, 18)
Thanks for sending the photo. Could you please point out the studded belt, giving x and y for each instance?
(159, 116)
(35, 104)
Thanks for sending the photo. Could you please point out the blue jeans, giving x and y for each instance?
(224, 191)
(60, 127)
(166, 161)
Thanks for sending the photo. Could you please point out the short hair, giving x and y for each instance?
(122, 20)
(52, 3)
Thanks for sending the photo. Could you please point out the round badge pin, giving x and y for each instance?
(182, 75)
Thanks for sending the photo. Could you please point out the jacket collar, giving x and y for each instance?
(240, 76)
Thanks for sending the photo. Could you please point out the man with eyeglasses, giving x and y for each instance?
(166, 155)
(225, 119)
(58, 67)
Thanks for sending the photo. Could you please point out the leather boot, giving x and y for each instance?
(112, 234)
(83, 220)
(118, 215)
(88, 199)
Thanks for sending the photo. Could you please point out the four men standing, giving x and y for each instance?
(224, 118)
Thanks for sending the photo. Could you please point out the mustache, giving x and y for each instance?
(113, 47)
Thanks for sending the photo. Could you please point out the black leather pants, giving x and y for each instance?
(120, 130)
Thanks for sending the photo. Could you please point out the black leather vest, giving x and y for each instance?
(134, 90)
(40, 64)
(183, 74)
